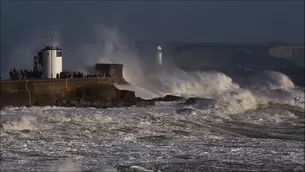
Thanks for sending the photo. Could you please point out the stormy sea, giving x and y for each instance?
(234, 122)
(228, 128)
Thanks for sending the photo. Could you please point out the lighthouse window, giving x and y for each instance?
(58, 53)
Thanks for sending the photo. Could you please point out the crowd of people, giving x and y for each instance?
(66, 74)
(29, 74)
(24, 74)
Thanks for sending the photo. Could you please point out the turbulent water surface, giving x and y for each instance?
(258, 126)
(240, 130)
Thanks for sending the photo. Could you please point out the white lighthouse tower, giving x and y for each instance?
(159, 55)
(50, 60)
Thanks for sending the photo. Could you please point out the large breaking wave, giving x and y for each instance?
(271, 80)
(262, 88)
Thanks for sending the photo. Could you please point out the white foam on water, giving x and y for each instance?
(66, 166)
(271, 80)
(111, 133)
(171, 80)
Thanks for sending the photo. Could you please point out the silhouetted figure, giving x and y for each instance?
(11, 74)
(22, 75)
(66, 74)
(19, 75)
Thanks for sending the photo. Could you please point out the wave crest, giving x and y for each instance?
(198, 84)
(271, 80)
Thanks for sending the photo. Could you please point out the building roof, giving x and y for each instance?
(52, 48)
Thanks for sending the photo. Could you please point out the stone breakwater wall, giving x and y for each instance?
(85, 92)
(115, 71)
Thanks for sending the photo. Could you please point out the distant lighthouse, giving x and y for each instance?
(159, 55)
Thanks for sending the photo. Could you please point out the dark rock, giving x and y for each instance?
(185, 111)
(169, 98)
(199, 103)
(127, 95)
(195, 100)
(191, 101)
(143, 103)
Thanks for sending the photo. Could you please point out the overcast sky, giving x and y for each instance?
(23, 22)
